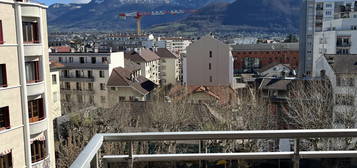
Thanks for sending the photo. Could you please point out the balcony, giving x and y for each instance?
(38, 127)
(35, 88)
(343, 45)
(74, 91)
(89, 157)
(43, 163)
(77, 79)
(33, 49)
(30, 11)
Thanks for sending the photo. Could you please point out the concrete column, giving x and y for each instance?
(22, 70)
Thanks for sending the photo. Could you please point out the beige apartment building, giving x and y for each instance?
(84, 76)
(169, 67)
(209, 62)
(26, 102)
(149, 62)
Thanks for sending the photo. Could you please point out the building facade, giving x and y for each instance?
(209, 62)
(84, 77)
(149, 62)
(249, 58)
(328, 27)
(170, 71)
(26, 106)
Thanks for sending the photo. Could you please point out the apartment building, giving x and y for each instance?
(149, 62)
(329, 27)
(209, 62)
(175, 44)
(170, 71)
(84, 76)
(26, 99)
(122, 42)
(249, 58)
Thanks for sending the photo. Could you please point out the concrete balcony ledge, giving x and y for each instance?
(43, 163)
(35, 88)
(30, 10)
(39, 126)
(33, 49)
(75, 79)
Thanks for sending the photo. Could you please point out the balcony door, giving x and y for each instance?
(36, 110)
(30, 32)
(32, 72)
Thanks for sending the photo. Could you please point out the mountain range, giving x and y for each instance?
(213, 15)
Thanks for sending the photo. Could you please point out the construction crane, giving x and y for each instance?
(139, 15)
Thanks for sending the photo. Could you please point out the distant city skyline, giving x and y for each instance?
(50, 2)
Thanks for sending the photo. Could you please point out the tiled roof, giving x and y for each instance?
(55, 65)
(131, 66)
(275, 84)
(344, 64)
(224, 94)
(165, 53)
(143, 55)
(62, 49)
(123, 77)
(266, 47)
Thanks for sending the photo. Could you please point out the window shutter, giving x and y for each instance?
(40, 103)
(4, 75)
(1, 34)
(35, 32)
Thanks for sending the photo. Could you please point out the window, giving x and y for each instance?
(341, 81)
(36, 112)
(4, 118)
(81, 60)
(78, 74)
(210, 79)
(67, 86)
(90, 74)
(54, 79)
(65, 73)
(1, 34)
(80, 98)
(91, 99)
(90, 86)
(121, 98)
(70, 59)
(3, 76)
(6, 161)
(104, 60)
(78, 86)
(32, 72)
(112, 88)
(60, 59)
(38, 151)
(30, 32)
(210, 54)
(68, 97)
(94, 60)
(101, 74)
(209, 66)
(102, 86)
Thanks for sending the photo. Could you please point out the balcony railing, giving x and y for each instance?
(77, 79)
(90, 156)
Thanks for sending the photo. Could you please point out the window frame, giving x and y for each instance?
(35, 38)
(4, 75)
(36, 72)
(38, 151)
(36, 114)
(6, 158)
(6, 121)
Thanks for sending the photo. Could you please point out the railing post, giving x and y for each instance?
(296, 157)
(131, 158)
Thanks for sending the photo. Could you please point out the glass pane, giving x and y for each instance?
(2, 81)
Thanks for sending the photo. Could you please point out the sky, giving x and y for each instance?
(49, 2)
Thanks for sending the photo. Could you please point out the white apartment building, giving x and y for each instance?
(170, 71)
(84, 77)
(209, 62)
(175, 44)
(149, 62)
(329, 27)
(26, 99)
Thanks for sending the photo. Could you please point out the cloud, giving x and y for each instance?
(79, 1)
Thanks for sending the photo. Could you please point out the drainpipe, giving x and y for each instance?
(22, 74)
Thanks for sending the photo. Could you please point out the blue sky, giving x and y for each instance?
(49, 2)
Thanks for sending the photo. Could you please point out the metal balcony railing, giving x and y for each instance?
(90, 156)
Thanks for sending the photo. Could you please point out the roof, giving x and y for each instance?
(79, 54)
(165, 53)
(275, 83)
(224, 94)
(55, 65)
(122, 77)
(62, 49)
(143, 55)
(131, 66)
(175, 38)
(344, 64)
(267, 67)
(266, 47)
